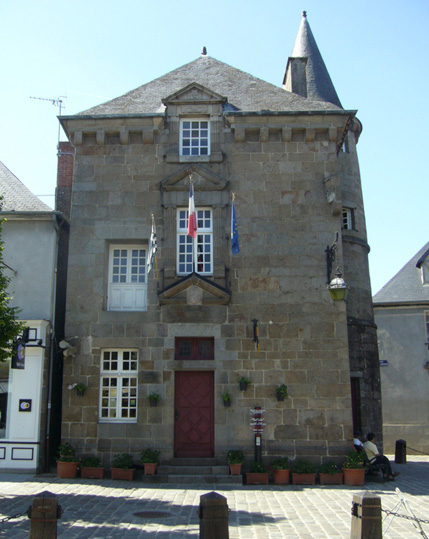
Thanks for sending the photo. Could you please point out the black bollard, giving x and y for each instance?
(213, 513)
(401, 452)
(366, 516)
(44, 514)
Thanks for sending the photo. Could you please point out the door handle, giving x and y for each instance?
(176, 414)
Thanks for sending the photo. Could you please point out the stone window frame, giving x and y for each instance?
(118, 385)
(203, 241)
(132, 293)
(198, 139)
(347, 218)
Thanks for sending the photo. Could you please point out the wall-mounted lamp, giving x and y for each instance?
(337, 287)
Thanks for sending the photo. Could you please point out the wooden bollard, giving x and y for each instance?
(44, 514)
(366, 516)
(213, 513)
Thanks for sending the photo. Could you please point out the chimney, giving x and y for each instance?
(295, 79)
(63, 191)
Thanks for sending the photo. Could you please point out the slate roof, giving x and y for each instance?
(406, 286)
(243, 91)
(319, 83)
(16, 197)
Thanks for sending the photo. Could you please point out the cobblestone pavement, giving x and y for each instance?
(100, 509)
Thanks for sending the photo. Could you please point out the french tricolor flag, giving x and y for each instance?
(192, 219)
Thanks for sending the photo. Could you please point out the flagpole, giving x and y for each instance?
(192, 239)
(156, 255)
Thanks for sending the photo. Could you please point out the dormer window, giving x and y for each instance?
(194, 136)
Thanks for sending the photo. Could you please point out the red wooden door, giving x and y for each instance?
(194, 414)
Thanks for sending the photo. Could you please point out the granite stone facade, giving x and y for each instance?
(291, 163)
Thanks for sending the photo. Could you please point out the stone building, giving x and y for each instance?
(401, 310)
(30, 388)
(204, 317)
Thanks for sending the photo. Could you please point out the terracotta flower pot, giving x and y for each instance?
(331, 479)
(235, 469)
(259, 478)
(91, 472)
(150, 468)
(281, 477)
(120, 473)
(354, 477)
(304, 478)
(67, 470)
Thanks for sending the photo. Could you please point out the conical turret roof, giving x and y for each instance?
(319, 83)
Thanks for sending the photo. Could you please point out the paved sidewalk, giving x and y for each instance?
(101, 509)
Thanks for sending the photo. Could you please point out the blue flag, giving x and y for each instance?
(235, 248)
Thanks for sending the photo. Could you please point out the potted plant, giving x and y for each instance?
(354, 470)
(150, 459)
(235, 460)
(257, 475)
(154, 398)
(123, 467)
(67, 462)
(243, 382)
(303, 472)
(79, 387)
(281, 472)
(91, 468)
(330, 474)
(227, 399)
(281, 392)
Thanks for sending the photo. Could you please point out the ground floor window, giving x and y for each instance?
(118, 391)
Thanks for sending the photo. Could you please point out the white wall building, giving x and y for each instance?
(30, 235)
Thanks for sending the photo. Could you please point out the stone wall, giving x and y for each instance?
(277, 166)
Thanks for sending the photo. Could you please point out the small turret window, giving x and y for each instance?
(348, 219)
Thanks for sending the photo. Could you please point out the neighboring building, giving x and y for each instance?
(187, 329)
(30, 393)
(401, 310)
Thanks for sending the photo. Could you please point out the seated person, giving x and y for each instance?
(357, 441)
(374, 457)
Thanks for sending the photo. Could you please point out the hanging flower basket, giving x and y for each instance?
(79, 387)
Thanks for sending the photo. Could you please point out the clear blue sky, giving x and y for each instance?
(92, 51)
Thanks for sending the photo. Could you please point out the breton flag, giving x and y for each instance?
(192, 216)
(235, 248)
(153, 246)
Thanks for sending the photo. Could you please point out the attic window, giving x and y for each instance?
(194, 137)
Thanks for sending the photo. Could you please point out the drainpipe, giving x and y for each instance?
(55, 219)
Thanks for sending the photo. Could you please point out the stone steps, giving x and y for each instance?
(193, 471)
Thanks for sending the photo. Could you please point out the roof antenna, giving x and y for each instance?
(57, 103)
(204, 51)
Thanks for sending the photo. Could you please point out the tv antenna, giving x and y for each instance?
(58, 102)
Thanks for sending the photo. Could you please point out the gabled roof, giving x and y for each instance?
(16, 197)
(406, 286)
(319, 83)
(243, 91)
